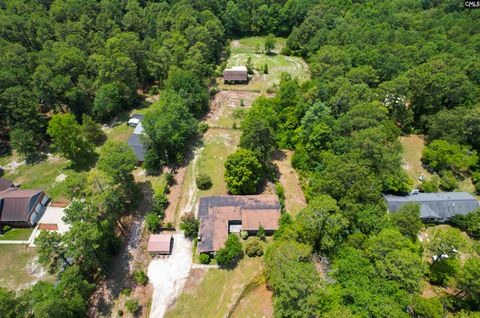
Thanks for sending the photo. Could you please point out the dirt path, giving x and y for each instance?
(294, 198)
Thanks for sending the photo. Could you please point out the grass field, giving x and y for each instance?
(17, 235)
(217, 292)
(252, 47)
(17, 267)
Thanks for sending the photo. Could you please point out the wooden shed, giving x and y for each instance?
(160, 244)
(235, 75)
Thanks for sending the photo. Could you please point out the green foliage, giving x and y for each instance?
(269, 44)
(203, 181)
(109, 100)
(67, 138)
(25, 142)
(117, 161)
(132, 306)
(253, 248)
(469, 279)
(265, 68)
(152, 221)
(243, 234)
(249, 66)
(443, 272)
(448, 241)
(202, 128)
(231, 252)
(469, 223)
(140, 277)
(204, 258)
(7, 303)
(189, 224)
(408, 221)
(91, 130)
(261, 234)
(428, 307)
(243, 172)
(440, 155)
(159, 204)
(430, 185)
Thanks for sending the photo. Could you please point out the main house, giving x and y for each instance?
(235, 75)
(436, 207)
(21, 208)
(221, 215)
(135, 140)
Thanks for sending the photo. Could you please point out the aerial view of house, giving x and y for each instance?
(438, 207)
(21, 208)
(135, 140)
(235, 75)
(222, 215)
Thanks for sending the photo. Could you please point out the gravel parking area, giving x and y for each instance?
(168, 275)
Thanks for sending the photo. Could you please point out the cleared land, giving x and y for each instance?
(218, 292)
(256, 304)
(18, 267)
(277, 63)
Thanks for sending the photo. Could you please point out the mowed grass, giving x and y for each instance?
(256, 304)
(17, 266)
(277, 63)
(17, 235)
(218, 291)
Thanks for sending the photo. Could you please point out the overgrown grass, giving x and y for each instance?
(17, 235)
(16, 266)
(218, 291)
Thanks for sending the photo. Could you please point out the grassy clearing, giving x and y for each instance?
(18, 270)
(218, 291)
(17, 235)
(277, 63)
(256, 304)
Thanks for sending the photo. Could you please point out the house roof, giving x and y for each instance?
(236, 73)
(5, 184)
(138, 116)
(135, 142)
(17, 204)
(159, 243)
(441, 205)
(216, 213)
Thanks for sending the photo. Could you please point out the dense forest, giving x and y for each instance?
(379, 69)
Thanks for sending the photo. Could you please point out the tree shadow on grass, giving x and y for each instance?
(85, 162)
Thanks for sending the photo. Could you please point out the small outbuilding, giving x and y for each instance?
(160, 244)
(135, 140)
(235, 75)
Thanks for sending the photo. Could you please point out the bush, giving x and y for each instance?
(253, 248)
(443, 271)
(429, 186)
(202, 128)
(428, 308)
(126, 291)
(6, 228)
(265, 68)
(140, 277)
(152, 221)
(159, 204)
(204, 258)
(261, 233)
(448, 181)
(243, 234)
(132, 306)
(243, 172)
(189, 223)
(120, 313)
(203, 181)
(231, 252)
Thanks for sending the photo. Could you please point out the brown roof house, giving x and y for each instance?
(235, 75)
(221, 215)
(22, 208)
(160, 244)
(5, 184)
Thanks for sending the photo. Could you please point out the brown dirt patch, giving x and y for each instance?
(194, 279)
(174, 196)
(258, 303)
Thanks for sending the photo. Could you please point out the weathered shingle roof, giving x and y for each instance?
(135, 142)
(216, 212)
(16, 204)
(236, 73)
(160, 243)
(441, 205)
(5, 184)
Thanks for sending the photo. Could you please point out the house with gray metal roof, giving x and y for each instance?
(438, 207)
(135, 141)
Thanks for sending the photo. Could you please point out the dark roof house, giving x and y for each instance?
(236, 74)
(221, 215)
(135, 141)
(5, 184)
(22, 208)
(439, 206)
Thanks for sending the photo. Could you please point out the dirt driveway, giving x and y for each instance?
(168, 275)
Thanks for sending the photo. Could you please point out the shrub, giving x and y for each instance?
(429, 186)
(202, 128)
(428, 308)
(132, 306)
(243, 172)
(120, 313)
(6, 228)
(231, 252)
(203, 181)
(243, 234)
(204, 258)
(448, 181)
(140, 277)
(170, 179)
(189, 223)
(152, 221)
(126, 291)
(443, 271)
(169, 225)
(159, 204)
(261, 233)
(265, 68)
(253, 248)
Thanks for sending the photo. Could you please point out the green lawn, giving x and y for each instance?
(217, 292)
(17, 235)
(17, 267)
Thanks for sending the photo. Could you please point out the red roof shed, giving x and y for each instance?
(160, 244)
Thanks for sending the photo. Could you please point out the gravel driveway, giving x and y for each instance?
(168, 274)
